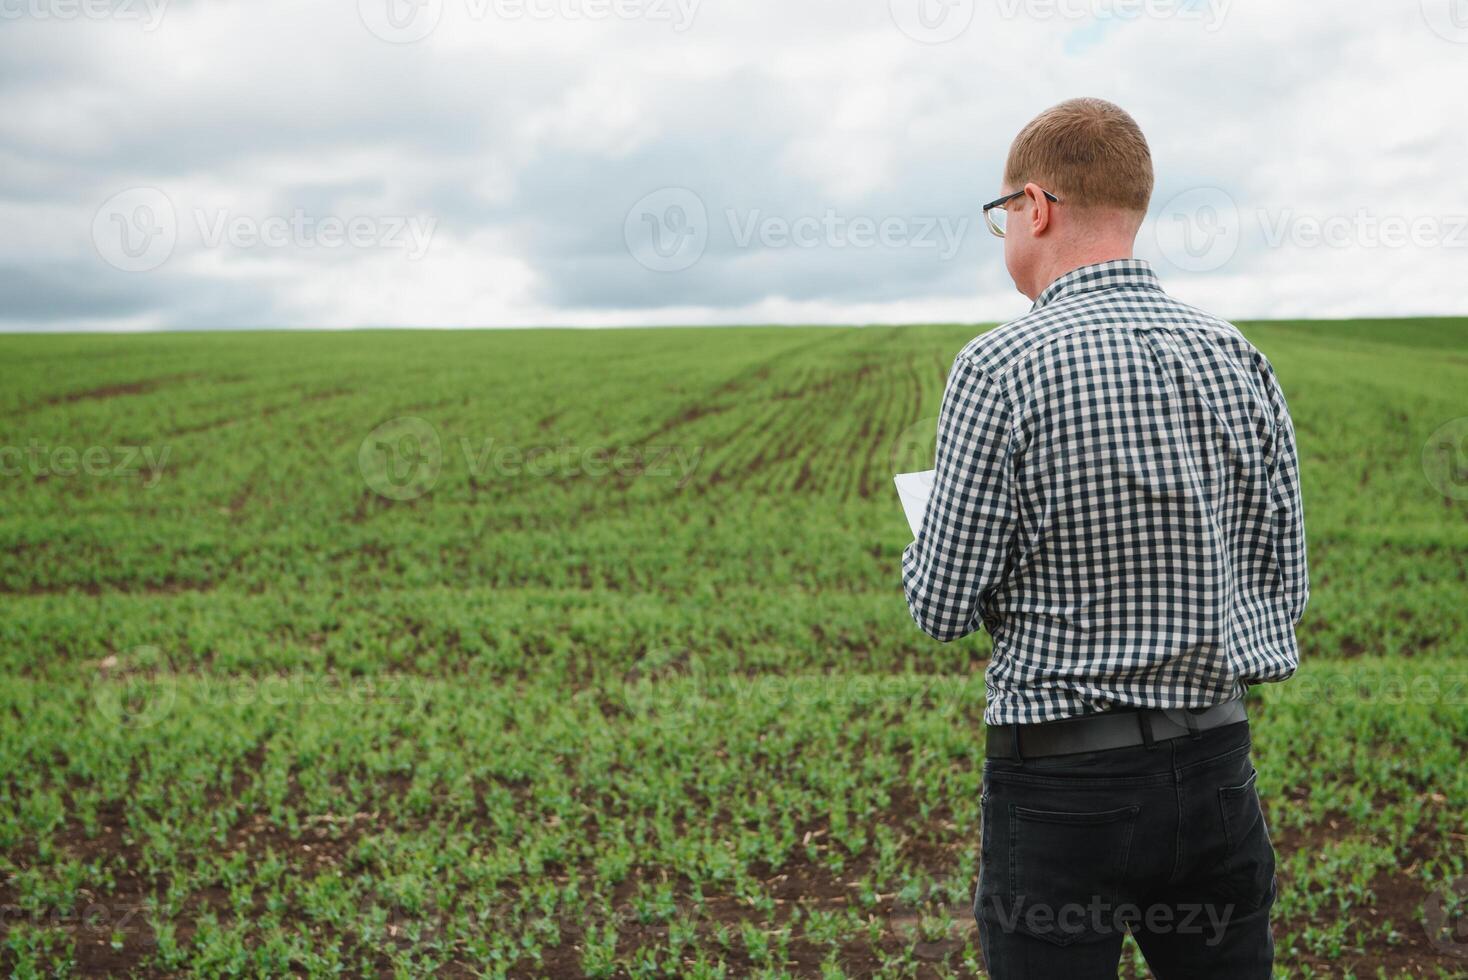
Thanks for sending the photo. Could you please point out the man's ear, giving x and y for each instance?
(1040, 212)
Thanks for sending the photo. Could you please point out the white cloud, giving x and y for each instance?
(526, 132)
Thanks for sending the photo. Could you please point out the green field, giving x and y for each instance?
(602, 667)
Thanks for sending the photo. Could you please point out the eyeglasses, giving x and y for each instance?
(995, 211)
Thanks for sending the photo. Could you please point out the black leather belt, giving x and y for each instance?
(1107, 730)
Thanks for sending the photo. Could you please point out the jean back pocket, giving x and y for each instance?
(1067, 871)
(1247, 869)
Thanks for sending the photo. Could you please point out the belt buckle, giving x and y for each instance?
(1186, 718)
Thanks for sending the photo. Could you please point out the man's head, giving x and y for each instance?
(1092, 156)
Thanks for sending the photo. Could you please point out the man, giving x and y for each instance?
(1117, 501)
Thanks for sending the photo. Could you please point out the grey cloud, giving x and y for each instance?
(82, 295)
(59, 295)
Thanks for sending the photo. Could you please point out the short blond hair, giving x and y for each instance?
(1088, 151)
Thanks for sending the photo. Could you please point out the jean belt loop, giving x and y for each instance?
(1014, 743)
(1145, 721)
(1191, 720)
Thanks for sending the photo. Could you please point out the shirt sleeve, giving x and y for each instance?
(962, 547)
(1288, 513)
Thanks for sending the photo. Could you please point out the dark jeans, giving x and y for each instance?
(1168, 842)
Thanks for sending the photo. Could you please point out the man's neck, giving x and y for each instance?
(1071, 260)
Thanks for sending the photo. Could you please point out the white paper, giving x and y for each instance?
(914, 489)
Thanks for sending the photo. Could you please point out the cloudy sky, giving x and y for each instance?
(174, 164)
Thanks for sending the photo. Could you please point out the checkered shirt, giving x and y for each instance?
(1117, 501)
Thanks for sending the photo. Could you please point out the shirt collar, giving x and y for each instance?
(1114, 274)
